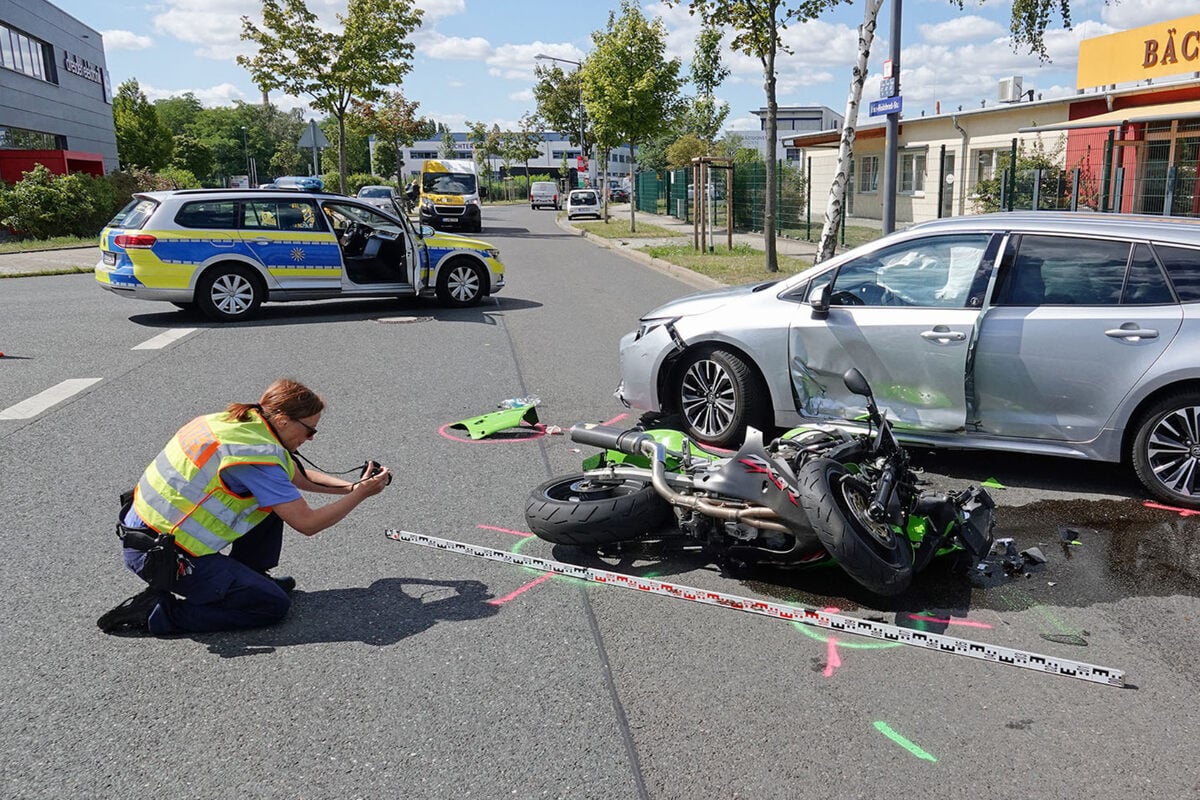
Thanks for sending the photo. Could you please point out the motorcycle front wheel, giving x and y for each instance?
(577, 510)
(870, 552)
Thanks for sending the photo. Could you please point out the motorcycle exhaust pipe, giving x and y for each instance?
(755, 516)
(610, 437)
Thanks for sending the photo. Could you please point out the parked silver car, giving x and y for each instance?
(1049, 333)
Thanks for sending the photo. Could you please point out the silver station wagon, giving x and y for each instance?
(1048, 333)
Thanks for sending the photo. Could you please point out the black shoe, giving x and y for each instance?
(132, 617)
(285, 582)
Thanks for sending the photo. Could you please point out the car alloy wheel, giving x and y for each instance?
(1166, 454)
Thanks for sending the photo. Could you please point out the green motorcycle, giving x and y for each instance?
(816, 494)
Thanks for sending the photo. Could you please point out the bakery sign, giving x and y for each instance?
(82, 67)
(1152, 51)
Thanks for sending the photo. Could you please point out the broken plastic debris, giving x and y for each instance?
(1034, 554)
(553, 430)
(992, 483)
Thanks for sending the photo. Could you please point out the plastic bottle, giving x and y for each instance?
(515, 402)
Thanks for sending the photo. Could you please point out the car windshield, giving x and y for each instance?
(375, 191)
(448, 183)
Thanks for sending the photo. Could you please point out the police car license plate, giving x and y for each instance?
(110, 259)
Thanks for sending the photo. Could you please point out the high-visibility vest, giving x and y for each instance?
(182, 492)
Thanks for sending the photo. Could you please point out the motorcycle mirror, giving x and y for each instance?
(856, 382)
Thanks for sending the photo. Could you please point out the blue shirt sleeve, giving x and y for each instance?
(268, 483)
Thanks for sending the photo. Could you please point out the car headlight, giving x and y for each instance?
(493, 253)
(648, 325)
(426, 202)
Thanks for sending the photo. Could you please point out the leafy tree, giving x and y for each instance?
(448, 148)
(629, 85)
(705, 115)
(527, 140)
(560, 103)
(178, 113)
(142, 139)
(684, 149)
(758, 29)
(395, 122)
(191, 154)
(299, 56)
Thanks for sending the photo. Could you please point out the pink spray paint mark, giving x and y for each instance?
(537, 431)
(1186, 512)
(499, 601)
(615, 419)
(967, 622)
(832, 659)
(522, 534)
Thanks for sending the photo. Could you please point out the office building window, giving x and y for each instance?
(23, 139)
(25, 54)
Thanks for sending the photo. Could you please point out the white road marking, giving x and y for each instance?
(164, 339)
(44, 400)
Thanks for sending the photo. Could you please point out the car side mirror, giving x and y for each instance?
(426, 230)
(819, 299)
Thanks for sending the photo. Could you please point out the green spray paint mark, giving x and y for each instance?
(887, 731)
(815, 634)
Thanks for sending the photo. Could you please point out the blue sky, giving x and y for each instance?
(474, 58)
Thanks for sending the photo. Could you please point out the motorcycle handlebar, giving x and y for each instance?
(610, 437)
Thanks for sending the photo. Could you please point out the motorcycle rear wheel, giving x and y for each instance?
(870, 552)
(573, 509)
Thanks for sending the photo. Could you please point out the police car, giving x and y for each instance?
(226, 252)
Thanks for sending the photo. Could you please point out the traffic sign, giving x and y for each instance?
(889, 105)
(887, 87)
(312, 134)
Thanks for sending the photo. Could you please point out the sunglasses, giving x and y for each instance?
(308, 428)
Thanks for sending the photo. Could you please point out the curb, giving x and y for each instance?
(682, 274)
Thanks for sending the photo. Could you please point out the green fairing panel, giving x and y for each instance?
(487, 424)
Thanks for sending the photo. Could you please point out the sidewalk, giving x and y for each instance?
(74, 259)
(682, 233)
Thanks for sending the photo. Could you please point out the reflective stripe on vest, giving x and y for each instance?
(182, 491)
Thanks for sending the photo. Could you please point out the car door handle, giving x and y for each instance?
(262, 241)
(1130, 330)
(941, 333)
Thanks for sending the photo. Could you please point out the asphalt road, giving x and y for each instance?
(408, 672)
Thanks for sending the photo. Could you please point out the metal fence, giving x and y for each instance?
(742, 189)
(1169, 190)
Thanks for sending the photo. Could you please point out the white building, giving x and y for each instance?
(554, 149)
(791, 120)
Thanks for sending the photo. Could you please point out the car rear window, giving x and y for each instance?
(134, 215)
(377, 191)
(211, 214)
(1183, 267)
(584, 199)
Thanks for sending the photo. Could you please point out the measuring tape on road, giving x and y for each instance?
(807, 616)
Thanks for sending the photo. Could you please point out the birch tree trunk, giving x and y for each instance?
(837, 191)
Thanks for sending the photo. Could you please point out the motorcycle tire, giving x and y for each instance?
(575, 510)
(870, 552)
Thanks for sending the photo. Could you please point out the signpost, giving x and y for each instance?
(888, 105)
(313, 137)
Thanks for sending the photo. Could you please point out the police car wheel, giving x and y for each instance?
(461, 284)
(229, 293)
